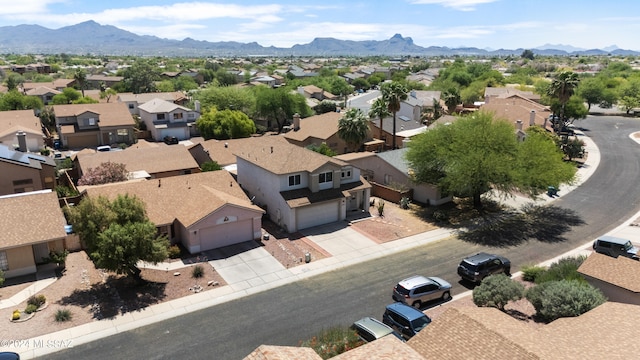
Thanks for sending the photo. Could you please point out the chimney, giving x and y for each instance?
(532, 118)
(296, 121)
(196, 104)
(22, 141)
(519, 125)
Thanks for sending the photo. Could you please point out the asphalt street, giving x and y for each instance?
(294, 312)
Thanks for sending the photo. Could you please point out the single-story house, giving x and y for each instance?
(318, 129)
(23, 172)
(13, 123)
(618, 278)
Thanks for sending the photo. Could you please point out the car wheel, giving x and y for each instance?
(446, 296)
(417, 304)
(507, 271)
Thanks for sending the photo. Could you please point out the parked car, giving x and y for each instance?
(614, 247)
(477, 267)
(9, 355)
(418, 289)
(170, 140)
(104, 148)
(370, 329)
(405, 319)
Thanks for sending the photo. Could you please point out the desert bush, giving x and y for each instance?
(63, 315)
(564, 298)
(31, 308)
(404, 202)
(197, 272)
(333, 341)
(563, 269)
(440, 215)
(37, 300)
(1, 277)
(531, 273)
(381, 207)
(174, 252)
(496, 291)
(15, 315)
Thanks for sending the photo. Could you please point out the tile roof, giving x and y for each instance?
(517, 107)
(396, 159)
(355, 156)
(304, 197)
(157, 105)
(143, 98)
(385, 348)
(271, 352)
(29, 218)
(223, 151)
(111, 114)
(276, 157)
(42, 90)
(152, 160)
(621, 271)
(321, 127)
(105, 78)
(187, 198)
(12, 121)
(503, 92)
(454, 335)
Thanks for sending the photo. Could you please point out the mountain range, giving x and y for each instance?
(92, 38)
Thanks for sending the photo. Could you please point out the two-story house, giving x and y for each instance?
(23, 172)
(134, 100)
(16, 123)
(316, 130)
(165, 118)
(45, 94)
(92, 125)
(299, 188)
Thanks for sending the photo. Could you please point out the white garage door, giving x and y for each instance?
(226, 234)
(180, 133)
(315, 215)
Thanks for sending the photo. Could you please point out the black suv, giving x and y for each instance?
(477, 267)
(170, 140)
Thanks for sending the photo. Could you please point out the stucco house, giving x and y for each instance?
(618, 278)
(44, 93)
(201, 211)
(390, 170)
(23, 172)
(317, 129)
(165, 118)
(516, 107)
(134, 100)
(92, 125)
(157, 162)
(15, 122)
(32, 225)
(299, 188)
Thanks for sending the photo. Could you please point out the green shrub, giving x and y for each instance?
(63, 315)
(496, 291)
(37, 300)
(333, 341)
(440, 215)
(31, 308)
(563, 269)
(197, 272)
(531, 273)
(564, 298)
(174, 252)
(45, 152)
(1, 277)
(381, 207)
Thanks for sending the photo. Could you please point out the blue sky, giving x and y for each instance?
(483, 24)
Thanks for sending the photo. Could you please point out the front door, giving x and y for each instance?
(40, 252)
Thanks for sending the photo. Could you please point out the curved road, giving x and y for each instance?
(291, 313)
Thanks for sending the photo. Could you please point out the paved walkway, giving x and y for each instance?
(251, 270)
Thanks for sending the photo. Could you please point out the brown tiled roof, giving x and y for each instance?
(152, 160)
(312, 89)
(621, 271)
(143, 98)
(111, 114)
(30, 218)
(454, 335)
(188, 198)
(503, 92)
(386, 348)
(320, 127)
(280, 157)
(304, 196)
(42, 90)
(271, 352)
(517, 107)
(11, 121)
(355, 156)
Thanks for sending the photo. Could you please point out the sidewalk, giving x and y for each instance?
(254, 271)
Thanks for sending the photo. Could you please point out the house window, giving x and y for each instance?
(294, 180)
(123, 132)
(160, 116)
(131, 106)
(387, 179)
(91, 121)
(325, 177)
(346, 174)
(177, 116)
(23, 182)
(4, 263)
(191, 116)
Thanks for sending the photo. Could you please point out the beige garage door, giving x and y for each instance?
(226, 234)
(315, 215)
(82, 141)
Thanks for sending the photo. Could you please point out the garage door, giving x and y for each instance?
(82, 141)
(180, 133)
(315, 215)
(226, 234)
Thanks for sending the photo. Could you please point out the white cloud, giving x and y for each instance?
(462, 5)
(25, 7)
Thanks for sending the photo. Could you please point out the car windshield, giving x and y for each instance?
(628, 246)
(401, 290)
(469, 266)
(420, 323)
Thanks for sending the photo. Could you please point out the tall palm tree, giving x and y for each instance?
(353, 127)
(393, 94)
(80, 76)
(379, 109)
(562, 88)
(452, 99)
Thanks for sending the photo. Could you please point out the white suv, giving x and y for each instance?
(417, 290)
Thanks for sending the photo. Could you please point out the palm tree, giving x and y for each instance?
(379, 109)
(353, 127)
(80, 76)
(562, 88)
(452, 99)
(393, 93)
